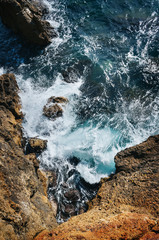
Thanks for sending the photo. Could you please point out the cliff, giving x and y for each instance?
(127, 203)
(125, 207)
(24, 207)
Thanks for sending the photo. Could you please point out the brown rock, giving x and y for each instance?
(9, 97)
(94, 225)
(36, 145)
(53, 107)
(24, 207)
(25, 18)
(53, 111)
(126, 205)
(57, 100)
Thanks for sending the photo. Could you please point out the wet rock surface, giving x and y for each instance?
(69, 191)
(24, 206)
(53, 108)
(25, 17)
(126, 205)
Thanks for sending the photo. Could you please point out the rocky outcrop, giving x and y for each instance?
(125, 207)
(24, 207)
(36, 145)
(25, 17)
(53, 108)
(127, 203)
(94, 225)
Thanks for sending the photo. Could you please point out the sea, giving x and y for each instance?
(105, 60)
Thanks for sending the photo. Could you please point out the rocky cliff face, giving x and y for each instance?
(25, 17)
(127, 204)
(24, 207)
(125, 207)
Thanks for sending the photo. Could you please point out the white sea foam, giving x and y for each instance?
(65, 139)
(2, 71)
(96, 147)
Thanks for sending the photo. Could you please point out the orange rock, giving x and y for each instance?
(95, 225)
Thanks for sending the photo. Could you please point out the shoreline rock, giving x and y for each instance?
(24, 206)
(126, 205)
(25, 17)
(53, 109)
(35, 145)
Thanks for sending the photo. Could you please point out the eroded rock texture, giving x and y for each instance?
(25, 17)
(53, 108)
(126, 205)
(24, 207)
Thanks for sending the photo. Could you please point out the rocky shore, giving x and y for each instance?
(127, 203)
(24, 207)
(125, 207)
(26, 18)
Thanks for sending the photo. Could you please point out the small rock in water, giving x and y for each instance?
(52, 109)
(57, 100)
(70, 75)
(36, 145)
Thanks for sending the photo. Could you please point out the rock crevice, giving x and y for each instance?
(126, 205)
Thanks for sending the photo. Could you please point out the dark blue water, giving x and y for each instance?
(106, 62)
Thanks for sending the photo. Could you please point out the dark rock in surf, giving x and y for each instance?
(74, 161)
(72, 195)
(53, 108)
(25, 18)
(36, 145)
(53, 111)
(70, 75)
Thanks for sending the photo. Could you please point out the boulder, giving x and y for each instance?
(24, 206)
(53, 111)
(25, 17)
(36, 145)
(53, 108)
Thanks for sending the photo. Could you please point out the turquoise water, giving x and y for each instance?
(105, 61)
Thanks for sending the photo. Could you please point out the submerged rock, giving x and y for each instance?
(25, 17)
(126, 205)
(24, 206)
(53, 108)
